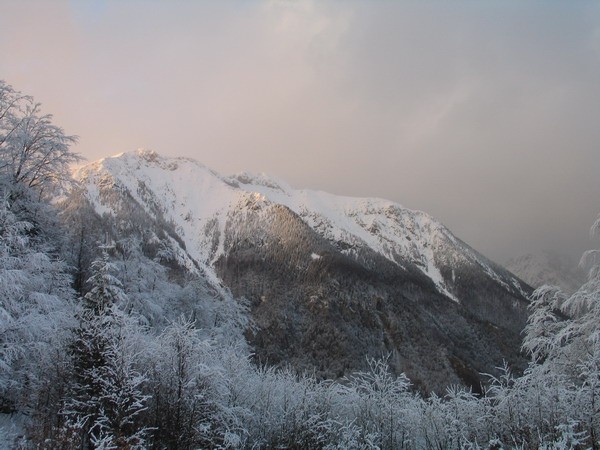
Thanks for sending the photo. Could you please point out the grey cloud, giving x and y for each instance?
(483, 114)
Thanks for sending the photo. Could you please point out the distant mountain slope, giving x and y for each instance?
(548, 268)
(330, 279)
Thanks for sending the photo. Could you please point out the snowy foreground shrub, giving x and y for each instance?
(224, 401)
(108, 380)
(95, 376)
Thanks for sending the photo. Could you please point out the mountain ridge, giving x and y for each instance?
(328, 213)
(365, 276)
(548, 268)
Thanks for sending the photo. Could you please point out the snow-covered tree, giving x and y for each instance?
(36, 308)
(106, 398)
(380, 398)
(106, 290)
(563, 338)
(33, 151)
(184, 407)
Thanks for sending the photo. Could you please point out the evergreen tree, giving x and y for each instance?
(106, 397)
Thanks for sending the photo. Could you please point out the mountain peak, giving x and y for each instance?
(261, 179)
(384, 274)
(197, 195)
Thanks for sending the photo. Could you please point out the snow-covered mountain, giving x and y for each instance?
(548, 268)
(330, 279)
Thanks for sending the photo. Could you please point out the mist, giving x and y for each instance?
(483, 114)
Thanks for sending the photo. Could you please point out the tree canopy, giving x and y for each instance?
(33, 151)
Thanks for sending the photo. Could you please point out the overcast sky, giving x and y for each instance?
(484, 114)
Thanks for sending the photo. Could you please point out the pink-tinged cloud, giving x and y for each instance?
(484, 114)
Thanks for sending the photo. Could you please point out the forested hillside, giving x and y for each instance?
(112, 336)
(329, 280)
(548, 268)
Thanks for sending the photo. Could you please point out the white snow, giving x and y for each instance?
(194, 197)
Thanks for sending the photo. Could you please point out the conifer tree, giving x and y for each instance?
(106, 397)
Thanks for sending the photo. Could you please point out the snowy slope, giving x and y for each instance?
(329, 279)
(199, 202)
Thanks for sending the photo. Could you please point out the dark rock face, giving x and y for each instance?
(329, 313)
